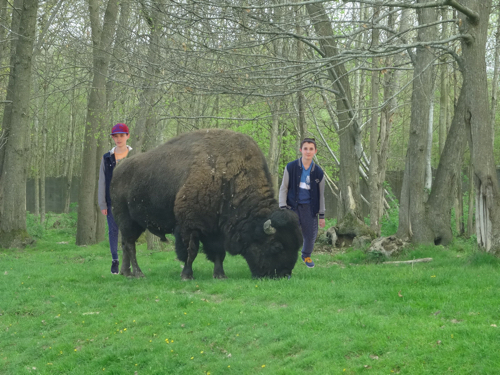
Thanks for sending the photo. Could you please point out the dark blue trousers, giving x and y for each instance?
(113, 235)
(309, 225)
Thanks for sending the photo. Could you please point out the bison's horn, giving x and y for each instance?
(268, 228)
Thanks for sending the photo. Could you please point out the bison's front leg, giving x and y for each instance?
(130, 258)
(125, 267)
(192, 252)
(218, 267)
(214, 249)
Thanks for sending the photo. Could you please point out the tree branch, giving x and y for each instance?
(420, 260)
(473, 16)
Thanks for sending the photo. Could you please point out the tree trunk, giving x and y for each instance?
(147, 135)
(274, 143)
(71, 161)
(478, 127)
(36, 151)
(301, 100)
(472, 117)
(412, 223)
(470, 214)
(440, 201)
(359, 74)
(7, 111)
(70, 151)
(43, 156)
(386, 119)
(375, 199)
(102, 38)
(103, 145)
(349, 133)
(494, 81)
(459, 205)
(443, 94)
(3, 30)
(14, 169)
(428, 156)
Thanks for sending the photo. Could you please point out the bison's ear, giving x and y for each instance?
(268, 228)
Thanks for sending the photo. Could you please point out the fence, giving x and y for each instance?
(55, 190)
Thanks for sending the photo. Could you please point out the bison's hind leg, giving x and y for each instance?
(186, 247)
(214, 250)
(129, 238)
(130, 259)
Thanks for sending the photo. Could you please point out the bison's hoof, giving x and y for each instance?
(186, 277)
(220, 276)
(138, 275)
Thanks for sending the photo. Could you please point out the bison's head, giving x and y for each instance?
(273, 248)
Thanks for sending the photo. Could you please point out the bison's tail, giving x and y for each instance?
(180, 247)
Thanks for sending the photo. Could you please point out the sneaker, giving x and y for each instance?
(114, 267)
(308, 261)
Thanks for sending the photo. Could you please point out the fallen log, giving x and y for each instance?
(420, 260)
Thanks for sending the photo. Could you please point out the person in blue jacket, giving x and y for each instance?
(120, 135)
(302, 190)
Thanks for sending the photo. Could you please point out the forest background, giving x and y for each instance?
(381, 85)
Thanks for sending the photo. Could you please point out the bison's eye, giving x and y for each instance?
(276, 248)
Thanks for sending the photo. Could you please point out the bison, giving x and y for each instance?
(210, 186)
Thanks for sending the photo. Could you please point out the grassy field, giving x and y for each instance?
(62, 312)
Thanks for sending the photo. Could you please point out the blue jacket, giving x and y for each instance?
(108, 164)
(109, 161)
(289, 190)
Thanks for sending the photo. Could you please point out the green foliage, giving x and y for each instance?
(375, 257)
(330, 223)
(480, 259)
(63, 223)
(35, 229)
(352, 256)
(358, 256)
(390, 223)
(62, 312)
(258, 134)
(465, 202)
(288, 150)
(390, 219)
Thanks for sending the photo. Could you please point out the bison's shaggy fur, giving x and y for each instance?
(211, 186)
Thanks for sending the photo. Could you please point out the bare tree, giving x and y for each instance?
(7, 113)
(478, 125)
(494, 81)
(102, 38)
(443, 90)
(14, 165)
(375, 182)
(470, 118)
(271, 69)
(412, 223)
(349, 132)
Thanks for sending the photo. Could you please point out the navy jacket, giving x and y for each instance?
(289, 190)
(108, 164)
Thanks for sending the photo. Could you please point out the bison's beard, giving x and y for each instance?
(269, 262)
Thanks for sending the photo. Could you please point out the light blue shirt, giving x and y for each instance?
(305, 186)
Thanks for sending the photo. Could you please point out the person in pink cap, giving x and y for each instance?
(120, 135)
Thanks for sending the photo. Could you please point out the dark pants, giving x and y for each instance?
(113, 235)
(309, 225)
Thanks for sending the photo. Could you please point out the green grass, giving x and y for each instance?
(62, 312)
